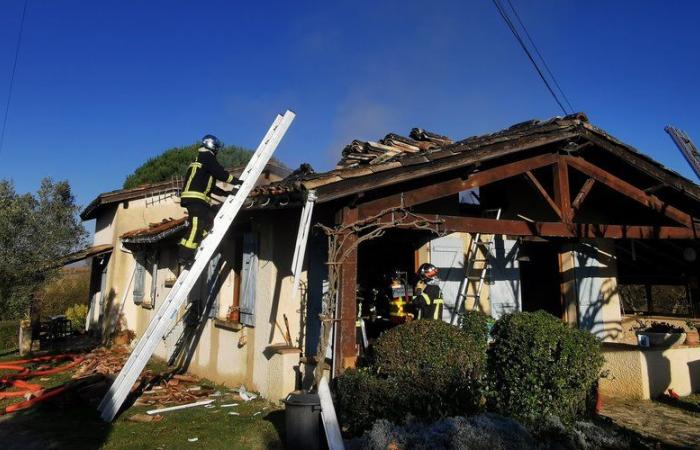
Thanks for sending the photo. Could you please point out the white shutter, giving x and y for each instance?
(447, 254)
(139, 277)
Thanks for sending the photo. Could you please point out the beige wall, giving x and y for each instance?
(636, 373)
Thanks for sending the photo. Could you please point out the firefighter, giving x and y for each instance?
(399, 305)
(200, 180)
(428, 299)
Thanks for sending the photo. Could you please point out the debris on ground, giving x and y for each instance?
(244, 394)
(178, 407)
(102, 360)
(145, 418)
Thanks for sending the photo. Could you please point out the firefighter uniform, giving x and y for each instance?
(196, 197)
(428, 302)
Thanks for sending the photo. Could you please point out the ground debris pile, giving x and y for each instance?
(102, 361)
(175, 390)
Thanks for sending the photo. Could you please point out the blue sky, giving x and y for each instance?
(102, 86)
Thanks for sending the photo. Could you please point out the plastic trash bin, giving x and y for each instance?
(302, 415)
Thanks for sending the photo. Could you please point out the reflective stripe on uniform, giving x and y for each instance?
(230, 178)
(197, 195)
(189, 242)
(437, 302)
(211, 180)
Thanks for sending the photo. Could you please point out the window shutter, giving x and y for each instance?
(154, 279)
(212, 278)
(249, 269)
(139, 277)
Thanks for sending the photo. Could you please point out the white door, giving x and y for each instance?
(447, 254)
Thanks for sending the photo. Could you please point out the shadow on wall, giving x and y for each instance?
(504, 277)
(594, 274)
(658, 372)
(694, 370)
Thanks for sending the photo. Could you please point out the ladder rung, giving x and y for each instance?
(479, 260)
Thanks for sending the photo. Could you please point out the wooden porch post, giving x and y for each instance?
(345, 340)
(569, 296)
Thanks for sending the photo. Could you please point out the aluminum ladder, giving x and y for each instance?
(473, 275)
(166, 312)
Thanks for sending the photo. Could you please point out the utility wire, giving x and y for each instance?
(513, 30)
(546, 66)
(12, 76)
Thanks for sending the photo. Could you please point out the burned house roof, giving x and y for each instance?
(393, 159)
(88, 252)
(155, 231)
(273, 170)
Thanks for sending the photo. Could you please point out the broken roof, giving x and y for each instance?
(160, 188)
(393, 159)
(88, 252)
(155, 231)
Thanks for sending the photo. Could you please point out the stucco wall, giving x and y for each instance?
(637, 373)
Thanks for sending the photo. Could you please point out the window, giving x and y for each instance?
(660, 299)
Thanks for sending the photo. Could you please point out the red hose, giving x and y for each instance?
(36, 390)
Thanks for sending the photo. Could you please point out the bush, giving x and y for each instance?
(362, 398)
(77, 315)
(425, 369)
(70, 287)
(476, 324)
(9, 334)
(539, 367)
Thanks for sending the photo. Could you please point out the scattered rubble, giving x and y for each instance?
(103, 361)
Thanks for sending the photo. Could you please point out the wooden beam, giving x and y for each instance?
(455, 224)
(455, 185)
(582, 194)
(562, 194)
(536, 183)
(346, 345)
(630, 191)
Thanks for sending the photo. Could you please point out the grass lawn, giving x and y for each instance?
(72, 422)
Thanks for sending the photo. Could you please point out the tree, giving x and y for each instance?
(36, 231)
(174, 162)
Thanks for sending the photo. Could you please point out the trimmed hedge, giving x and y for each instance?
(9, 334)
(540, 367)
(476, 324)
(425, 369)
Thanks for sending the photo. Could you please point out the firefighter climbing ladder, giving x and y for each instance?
(473, 275)
(167, 310)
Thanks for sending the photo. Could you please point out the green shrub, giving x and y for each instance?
(539, 366)
(77, 315)
(362, 398)
(425, 369)
(9, 334)
(476, 324)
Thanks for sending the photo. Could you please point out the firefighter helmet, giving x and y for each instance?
(211, 142)
(428, 271)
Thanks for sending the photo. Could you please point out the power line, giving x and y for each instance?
(12, 76)
(546, 66)
(513, 30)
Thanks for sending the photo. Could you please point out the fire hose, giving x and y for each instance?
(34, 393)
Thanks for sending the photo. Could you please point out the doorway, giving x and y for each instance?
(540, 277)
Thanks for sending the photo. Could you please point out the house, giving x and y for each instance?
(573, 221)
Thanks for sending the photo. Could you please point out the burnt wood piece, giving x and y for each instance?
(582, 194)
(346, 347)
(543, 192)
(455, 224)
(562, 194)
(629, 190)
(469, 155)
(455, 185)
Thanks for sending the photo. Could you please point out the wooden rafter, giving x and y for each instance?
(562, 194)
(455, 185)
(543, 192)
(629, 190)
(582, 194)
(454, 224)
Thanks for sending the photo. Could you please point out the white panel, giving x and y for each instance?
(504, 277)
(447, 254)
(590, 270)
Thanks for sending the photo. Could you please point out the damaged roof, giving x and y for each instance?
(393, 159)
(88, 252)
(155, 231)
(272, 170)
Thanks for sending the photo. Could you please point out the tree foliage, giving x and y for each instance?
(174, 162)
(36, 230)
